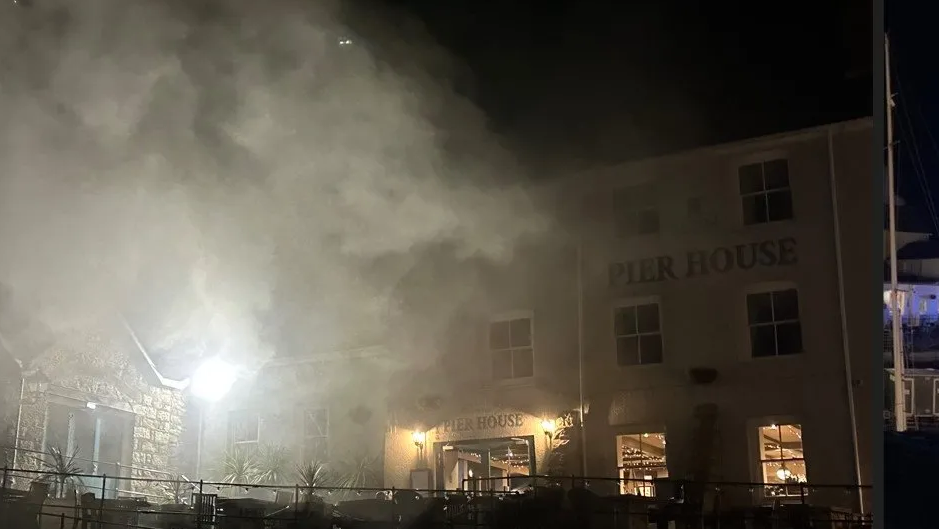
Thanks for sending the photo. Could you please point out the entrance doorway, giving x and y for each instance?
(96, 439)
(478, 465)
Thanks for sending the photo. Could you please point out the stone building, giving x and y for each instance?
(712, 308)
(101, 403)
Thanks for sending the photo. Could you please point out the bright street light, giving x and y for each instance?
(213, 380)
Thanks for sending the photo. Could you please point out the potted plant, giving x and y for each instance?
(61, 471)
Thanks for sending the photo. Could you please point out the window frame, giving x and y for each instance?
(638, 429)
(305, 438)
(256, 443)
(770, 288)
(633, 303)
(764, 192)
(634, 212)
(507, 317)
(740, 159)
(756, 457)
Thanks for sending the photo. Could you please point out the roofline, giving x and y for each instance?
(763, 142)
(149, 365)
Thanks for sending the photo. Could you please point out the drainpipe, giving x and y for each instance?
(19, 420)
(848, 377)
(580, 355)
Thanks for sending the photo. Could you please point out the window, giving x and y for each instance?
(765, 192)
(244, 430)
(638, 335)
(774, 323)
(510, 344)
(315, 435)
(96, 439)
(782, 460)
(635, 211)
(641, 459)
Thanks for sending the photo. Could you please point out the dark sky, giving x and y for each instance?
(913, 44)
(614, 80)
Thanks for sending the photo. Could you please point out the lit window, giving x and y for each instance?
(641, 459)
(510, 344)
(773, 318)
(782, 460)
(244, 429)
(315, 435)
(638, 335)
(765, 192)
(635, 211)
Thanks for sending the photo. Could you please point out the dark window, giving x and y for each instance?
(765, 192)
(773, 318)
(510, 345)
(244, 429)
(315, 435)
(638, 335)
(635, 211)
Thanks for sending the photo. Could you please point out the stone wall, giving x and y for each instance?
(95, 371)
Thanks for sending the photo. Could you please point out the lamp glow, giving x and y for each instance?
(418, 437)
(548, 426)
(213, 380)
(783, 473)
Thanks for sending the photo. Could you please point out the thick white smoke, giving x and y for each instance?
(236, 176)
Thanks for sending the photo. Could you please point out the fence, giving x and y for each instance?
(549, 502)
(121, 481)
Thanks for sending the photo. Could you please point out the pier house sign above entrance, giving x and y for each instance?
(720, 260)
(499, 421)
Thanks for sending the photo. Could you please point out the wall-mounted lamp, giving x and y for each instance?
(419, 439)
(548, 426)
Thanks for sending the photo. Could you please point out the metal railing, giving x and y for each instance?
(572, 502)
(124, 473)
(920, 334)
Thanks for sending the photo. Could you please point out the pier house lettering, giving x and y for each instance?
(484, 422)
(696, 263)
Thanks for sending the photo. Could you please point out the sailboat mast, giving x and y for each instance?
(898, 393)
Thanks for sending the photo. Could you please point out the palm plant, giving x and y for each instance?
(175, 491)
(238, 467)
(272, 466)
(314, 475)
(61, 471)
(360, 472)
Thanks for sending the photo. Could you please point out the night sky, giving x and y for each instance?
(602, 80)
(913, 42)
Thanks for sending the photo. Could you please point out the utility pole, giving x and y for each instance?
(899, 397)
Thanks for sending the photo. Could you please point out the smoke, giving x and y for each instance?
(243, 177)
